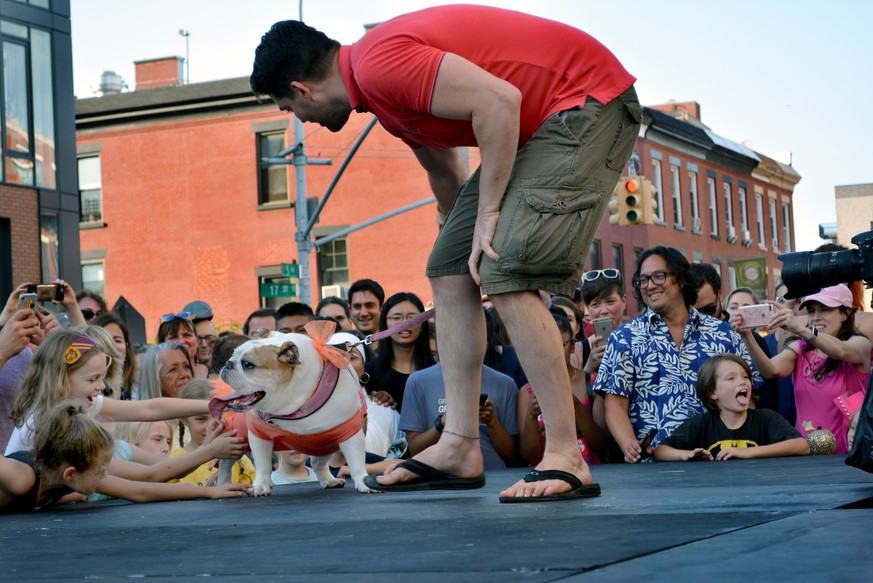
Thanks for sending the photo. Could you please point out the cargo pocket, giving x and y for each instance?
(546, 236)
(630, 116)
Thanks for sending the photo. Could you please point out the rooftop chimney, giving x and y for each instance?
(158, 72)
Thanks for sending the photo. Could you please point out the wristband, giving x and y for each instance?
(438, 424)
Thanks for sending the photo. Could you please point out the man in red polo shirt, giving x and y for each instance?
(555, 118)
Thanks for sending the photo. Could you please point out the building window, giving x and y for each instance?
(273, 179)
(744, 214)
(695, 202)
(595, 255)
(659, 191)
(713, 207)
(677, 196)
(27, 121)
(333, 263)
(90, 190)
(618, 257)
(93, 276)
(759, 211)
(729, 213)
(786, 226)
(774, 231)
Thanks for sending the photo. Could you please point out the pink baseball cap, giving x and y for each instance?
(832, 297)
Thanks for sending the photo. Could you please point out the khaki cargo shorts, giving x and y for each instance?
(559, 189)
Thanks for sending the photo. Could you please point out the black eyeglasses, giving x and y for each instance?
(608, 273)
(657, 278)
(170, 317)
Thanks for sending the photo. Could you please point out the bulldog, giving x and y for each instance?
(298, 393)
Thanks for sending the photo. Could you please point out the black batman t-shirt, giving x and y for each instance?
(707, 430)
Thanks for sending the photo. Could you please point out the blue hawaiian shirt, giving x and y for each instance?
(642, 363)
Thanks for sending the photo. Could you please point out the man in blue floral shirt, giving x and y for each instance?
(648, 375)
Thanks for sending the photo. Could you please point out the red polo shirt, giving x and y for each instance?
(391, 71)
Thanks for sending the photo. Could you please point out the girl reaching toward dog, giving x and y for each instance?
(68, 365)
(70, 455)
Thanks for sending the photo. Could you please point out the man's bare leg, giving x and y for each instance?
(538, 344)
(461, 345)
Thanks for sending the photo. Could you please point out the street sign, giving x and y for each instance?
(278, 290)
(290, 270)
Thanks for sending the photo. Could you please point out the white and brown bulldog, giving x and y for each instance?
(298, 393)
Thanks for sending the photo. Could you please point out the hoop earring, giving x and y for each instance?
(365, 378)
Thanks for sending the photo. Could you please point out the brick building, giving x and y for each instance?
(177, 208)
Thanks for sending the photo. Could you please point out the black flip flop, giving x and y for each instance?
(579, 490)
(429, 478)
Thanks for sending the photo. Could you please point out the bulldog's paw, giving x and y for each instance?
(262, 488)
(333, 483)
(363, 489)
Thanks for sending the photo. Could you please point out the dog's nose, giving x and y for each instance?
(228, 365)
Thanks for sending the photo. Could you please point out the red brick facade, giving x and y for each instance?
(21, 207)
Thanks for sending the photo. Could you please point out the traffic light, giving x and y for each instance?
(616, 216)
(649, 202)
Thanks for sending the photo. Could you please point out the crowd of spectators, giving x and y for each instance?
(683, 380)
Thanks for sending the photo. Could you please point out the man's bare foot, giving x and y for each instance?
(458, 457)
(573, 464)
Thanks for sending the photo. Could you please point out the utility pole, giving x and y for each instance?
(187, 35)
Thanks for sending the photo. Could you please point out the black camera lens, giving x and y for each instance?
(805, 272)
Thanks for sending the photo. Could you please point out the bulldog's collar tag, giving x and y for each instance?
(326, 385)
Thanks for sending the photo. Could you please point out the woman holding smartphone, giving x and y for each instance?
(826, 360)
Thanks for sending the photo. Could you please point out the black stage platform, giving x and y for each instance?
(790, 519)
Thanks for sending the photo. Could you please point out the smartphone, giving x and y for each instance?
(603, 327)
(482, 398)
(647, 441)
(756, 316)
(27, 302)
(50, 292)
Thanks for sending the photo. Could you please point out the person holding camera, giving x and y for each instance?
(827, 360)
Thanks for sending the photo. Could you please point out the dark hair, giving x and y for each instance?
(601, 288)
(706, 273)
(334, 300)
(367, 285)
(223, 350)
(128, 378)
(564, 325)
(293, 309)
(261, 313)
(421, 356)
(172, 327)
(86, 293)
(706, 377)
(291, 51)
(677, 265)
(559, 302)
(493, 357)
(846, 331)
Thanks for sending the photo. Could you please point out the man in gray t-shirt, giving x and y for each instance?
(424, 408)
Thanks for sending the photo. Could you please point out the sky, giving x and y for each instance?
(790, 78)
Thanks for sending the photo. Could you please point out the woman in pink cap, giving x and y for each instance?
(827, 359)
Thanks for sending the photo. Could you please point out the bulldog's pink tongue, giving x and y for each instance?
(217, 405)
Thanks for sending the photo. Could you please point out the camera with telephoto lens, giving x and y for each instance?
(805, 273)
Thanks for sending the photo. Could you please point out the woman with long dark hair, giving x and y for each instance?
(401, 354)
(826, 360)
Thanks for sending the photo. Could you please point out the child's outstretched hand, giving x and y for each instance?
(735, 453)
(224, 444)
(699, 454)
(227, 491)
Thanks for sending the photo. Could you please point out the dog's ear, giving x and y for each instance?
(289, 354)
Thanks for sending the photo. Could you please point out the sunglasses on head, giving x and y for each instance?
(170, 317)
(594, 274)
